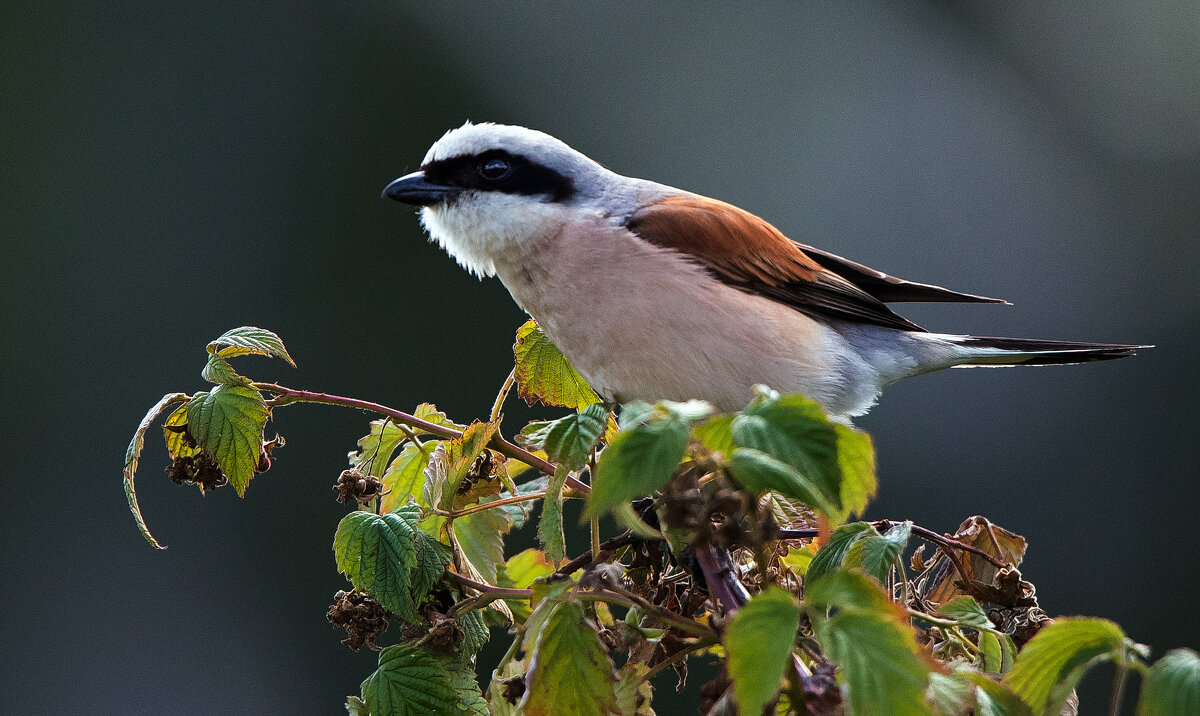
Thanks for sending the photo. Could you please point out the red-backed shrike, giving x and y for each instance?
(656, 293)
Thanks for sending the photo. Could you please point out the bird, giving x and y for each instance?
(656, 293)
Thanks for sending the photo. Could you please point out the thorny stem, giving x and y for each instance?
(917, 529)
(498, 592)
(286, 396)
(508, 383)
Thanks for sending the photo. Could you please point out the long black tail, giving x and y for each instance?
(985, 350)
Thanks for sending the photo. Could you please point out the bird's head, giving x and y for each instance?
(488, 189)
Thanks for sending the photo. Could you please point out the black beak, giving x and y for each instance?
(415, 190)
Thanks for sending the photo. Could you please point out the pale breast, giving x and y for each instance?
(644, 323)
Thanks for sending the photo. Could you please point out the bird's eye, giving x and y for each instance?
(494, 168)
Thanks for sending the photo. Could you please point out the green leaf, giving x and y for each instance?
(880, 552)
(249, 340)
(758, 644)
(550, 525)
(759, 472)
(795, 430)
(475, 634)
(377, 553)
(960, 692)
(405, 477)
(227, 423)
(688, 411)
(356, 706)
(716, 434)
(833, 553)
(218, 371)
(993, 656)
(376, 447)
(1054, 660)
(569, 441)
(480, 536)
(966, 611)
(543, 373)
(639, 461)
(432, 559)
(177, 442)
(410, 681)
(1172, 686)
(881, 669)
(571, 673)
(430, 414)
(856, 459)
(134, 451)
(845, 589)
(460, 454)
(436, 469)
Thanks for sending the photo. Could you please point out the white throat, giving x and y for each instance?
(483, 226)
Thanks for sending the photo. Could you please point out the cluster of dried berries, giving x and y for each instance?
(362, 617)
(353, 485)
(199, 469)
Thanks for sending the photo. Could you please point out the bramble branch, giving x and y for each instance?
(287, 396)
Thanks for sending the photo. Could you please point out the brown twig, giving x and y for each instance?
(285, 396)
(944, 541)
(586, 558)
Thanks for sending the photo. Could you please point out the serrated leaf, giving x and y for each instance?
(404, 479)
(759, 472)
(227, 423)
(218, 371)
(634, 690)
(249, 340)
(881, 669)
(550, 525)
(410, 681)
(966, 611)
(430, 414)
(543, 373)
(758, 645)
(377, 553)
(568, 441)
(639, 461)
(134, 451)
(177, 443)
(1172, 686)
(833, 553)
(460, 454)
(880, 552)
(1056, 658)
(475, 634)
(432, 559)
(480, 536)
(571, 673)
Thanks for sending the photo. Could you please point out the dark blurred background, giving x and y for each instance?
(169, 171)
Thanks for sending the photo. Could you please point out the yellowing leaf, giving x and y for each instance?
(460, 454)
(571, 672)
(543, 373)
(177, 442)
(134, 451)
